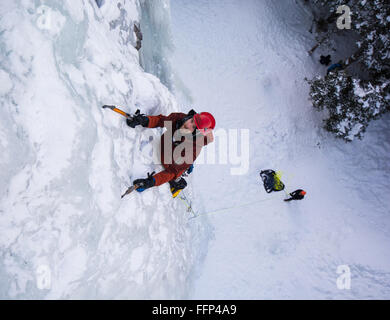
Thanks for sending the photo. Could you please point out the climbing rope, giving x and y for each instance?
(195, 215)
(188, 203)
(184, 198)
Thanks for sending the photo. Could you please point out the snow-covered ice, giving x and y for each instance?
(66, 161)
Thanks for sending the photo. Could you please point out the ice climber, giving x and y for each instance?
(187, 132)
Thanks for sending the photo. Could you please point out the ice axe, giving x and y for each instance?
(113, 108)
(130, 190)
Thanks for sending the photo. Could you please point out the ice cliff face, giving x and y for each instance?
(64, 231)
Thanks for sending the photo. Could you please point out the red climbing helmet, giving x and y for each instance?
(302, 193)
(205, 122)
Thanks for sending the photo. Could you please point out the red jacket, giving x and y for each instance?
(173, 169)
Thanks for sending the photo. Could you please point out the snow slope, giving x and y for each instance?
(245, 61)
(64, 231)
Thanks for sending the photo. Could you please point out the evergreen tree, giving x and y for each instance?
(372, 22)
(351, 105)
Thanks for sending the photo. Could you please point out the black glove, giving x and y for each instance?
(144, 184)
(137, 119)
